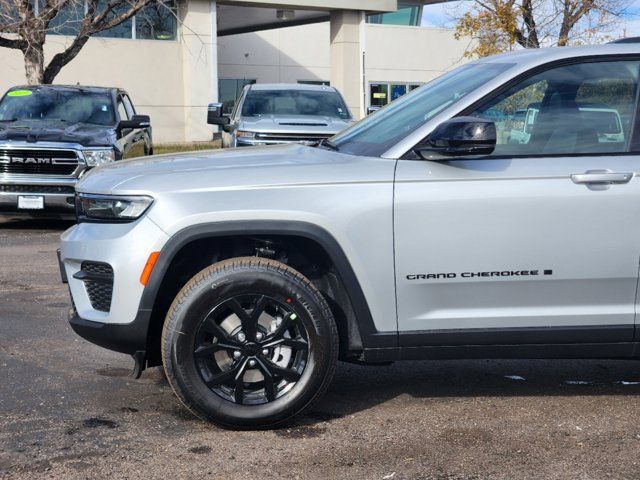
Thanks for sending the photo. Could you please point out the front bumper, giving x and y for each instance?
(128, 338)
(58, 196)
(123, 249)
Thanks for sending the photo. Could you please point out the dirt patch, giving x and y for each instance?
(129, 409)
(99, 422)
(199, 450)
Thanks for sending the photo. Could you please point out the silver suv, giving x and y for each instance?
(419, 233)
(267, 114)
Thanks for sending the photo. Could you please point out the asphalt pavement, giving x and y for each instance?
(69, 409)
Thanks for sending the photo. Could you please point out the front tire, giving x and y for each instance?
(249, 343)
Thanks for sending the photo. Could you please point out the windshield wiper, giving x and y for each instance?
(9, 120)
(325, 142)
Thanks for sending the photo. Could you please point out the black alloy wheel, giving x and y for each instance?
(250, 349)
(249, 343)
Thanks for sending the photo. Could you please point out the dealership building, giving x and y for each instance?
(175, 60)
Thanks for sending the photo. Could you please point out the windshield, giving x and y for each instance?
(378, 132)
(294, 102)
(67, 105)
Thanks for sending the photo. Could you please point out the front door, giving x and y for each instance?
(540, 241)
(136, 146)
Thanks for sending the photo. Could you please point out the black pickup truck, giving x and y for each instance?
(50, 135)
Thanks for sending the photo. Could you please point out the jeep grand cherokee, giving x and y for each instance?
(421, 232)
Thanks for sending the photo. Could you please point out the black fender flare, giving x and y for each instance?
(371, 338)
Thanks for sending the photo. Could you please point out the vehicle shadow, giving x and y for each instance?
(49, 224)
(357, 388)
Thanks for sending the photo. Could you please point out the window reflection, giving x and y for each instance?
(406, 14)
(157, 22)
(154, 22)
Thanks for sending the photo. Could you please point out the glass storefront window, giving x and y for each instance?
(407, 14)
(382, 93)
(124, 30)
(229, 89)
(68, 19)
(157, 22)
(397, 91)
(379, 94)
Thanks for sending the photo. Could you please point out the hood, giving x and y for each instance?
(253, 167)
(294, 124)
(33, 131)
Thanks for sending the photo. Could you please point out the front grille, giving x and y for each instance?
(38, 162)
(304, 124)
(293, 137)
(97, 267)
(61, 189)
(98, 282)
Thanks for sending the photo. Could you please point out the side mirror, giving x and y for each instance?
(137, 121)
(215, 116)
(457, 137)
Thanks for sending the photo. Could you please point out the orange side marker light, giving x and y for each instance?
(148, 268)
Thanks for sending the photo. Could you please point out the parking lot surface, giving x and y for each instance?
(69, 409)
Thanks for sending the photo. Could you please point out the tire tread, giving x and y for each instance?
(249, 264)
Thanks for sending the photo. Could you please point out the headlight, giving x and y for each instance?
(111, 209)
(243, 134)
(95, 158)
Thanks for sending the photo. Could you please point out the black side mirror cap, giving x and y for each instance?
(215, 115)
(459, 137)
(137, 121)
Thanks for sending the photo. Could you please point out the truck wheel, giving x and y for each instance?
(249, 343)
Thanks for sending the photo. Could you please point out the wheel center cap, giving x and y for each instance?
(250, 349)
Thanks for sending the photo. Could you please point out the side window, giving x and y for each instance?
(128, 106)
(122, 111)
(574, 109)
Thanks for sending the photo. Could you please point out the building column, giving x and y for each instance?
(347, 47)
(198, 34)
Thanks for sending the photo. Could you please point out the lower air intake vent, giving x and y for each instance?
(98, 281)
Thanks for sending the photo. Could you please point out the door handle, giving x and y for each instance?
(602, 177)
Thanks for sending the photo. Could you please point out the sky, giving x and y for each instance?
(439, 15)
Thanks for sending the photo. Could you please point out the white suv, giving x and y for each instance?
(419, 233)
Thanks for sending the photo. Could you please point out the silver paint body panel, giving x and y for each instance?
(395, 218)
(515, 215)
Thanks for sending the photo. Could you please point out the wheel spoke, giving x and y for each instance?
(286, 373)
(223, 377)
(269, 384)
(238, 391)
(216, 330)
(295, 343)
(261, 304)
(208, 349)
(248, 325)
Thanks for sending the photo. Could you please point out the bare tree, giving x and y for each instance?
(501, 25)
(24, 25)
